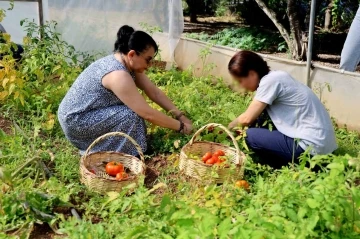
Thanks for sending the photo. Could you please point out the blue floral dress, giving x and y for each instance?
(89, 110)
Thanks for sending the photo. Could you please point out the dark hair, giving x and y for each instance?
(244, 61)
(128, 39)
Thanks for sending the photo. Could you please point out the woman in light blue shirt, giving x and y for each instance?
(300, 119)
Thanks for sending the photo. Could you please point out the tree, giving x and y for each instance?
(328, 15)
(295, 37)
(193, 9)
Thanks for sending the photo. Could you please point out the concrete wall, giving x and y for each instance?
(341, 102)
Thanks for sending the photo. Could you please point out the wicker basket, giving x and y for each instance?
(199, 170)
(101, 182)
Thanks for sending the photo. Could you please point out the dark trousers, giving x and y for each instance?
(17, 54)
(272, 147)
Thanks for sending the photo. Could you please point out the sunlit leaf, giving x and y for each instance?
(177, 143)
(312, 203)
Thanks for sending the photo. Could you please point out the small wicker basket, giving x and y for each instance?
(199, 170)
(101, 182)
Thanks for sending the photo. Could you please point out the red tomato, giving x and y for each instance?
(242, 184)
(125, 175)
(217, 159)
(114, 168)
(211, 161)
(121, 176)
(206, 156)
(219, 153)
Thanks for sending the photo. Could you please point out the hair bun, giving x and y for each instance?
(123, 37)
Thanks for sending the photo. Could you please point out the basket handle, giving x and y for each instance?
(101, 138)
(224, 129)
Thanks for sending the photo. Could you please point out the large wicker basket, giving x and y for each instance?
(199, 170)
(99, 181)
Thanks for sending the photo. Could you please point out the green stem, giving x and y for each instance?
(24, 165)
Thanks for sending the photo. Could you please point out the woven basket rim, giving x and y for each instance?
(219, 144)
(134, 176)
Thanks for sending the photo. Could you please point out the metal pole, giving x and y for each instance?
(41, 12)
(311, 40)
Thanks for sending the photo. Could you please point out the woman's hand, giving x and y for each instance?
(187, 128)
(184, 119)
(234, 123)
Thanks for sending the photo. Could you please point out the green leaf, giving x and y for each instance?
(302, 212)
(165, 201)
(5, 176)
(312, 203)
(224, 227)
(312, 221)
(231, 116)
(290, 213)
(245, 145)
(56, 68)
(257, 234)
(338, 166)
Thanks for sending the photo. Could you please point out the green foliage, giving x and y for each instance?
(48, 63)
(343, 13)
(205, 100)
(320, 198)
(244, 38)
(222, 8)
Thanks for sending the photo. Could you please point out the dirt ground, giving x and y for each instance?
(5, 125)
(212, 25)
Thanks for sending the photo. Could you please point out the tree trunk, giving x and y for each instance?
(297, 35)
(283, 31)
(193, 16)
(192, 9)
(327, 23)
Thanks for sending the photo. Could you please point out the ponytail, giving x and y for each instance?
(128, 39)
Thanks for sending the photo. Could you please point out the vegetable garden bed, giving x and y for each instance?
(294, 202)
(284, 202)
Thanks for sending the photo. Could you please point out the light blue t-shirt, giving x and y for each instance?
(297, 112)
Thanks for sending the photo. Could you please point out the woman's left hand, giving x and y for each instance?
(234, 123)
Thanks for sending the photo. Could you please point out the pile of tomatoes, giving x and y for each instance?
(116, 170)
(217, 158)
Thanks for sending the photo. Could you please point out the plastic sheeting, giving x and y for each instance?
(92, 24)
(21, 10)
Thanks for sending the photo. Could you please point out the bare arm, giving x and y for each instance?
(250, 115)
(158, 96)
(123, 86)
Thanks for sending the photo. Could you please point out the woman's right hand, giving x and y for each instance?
(187, 128)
